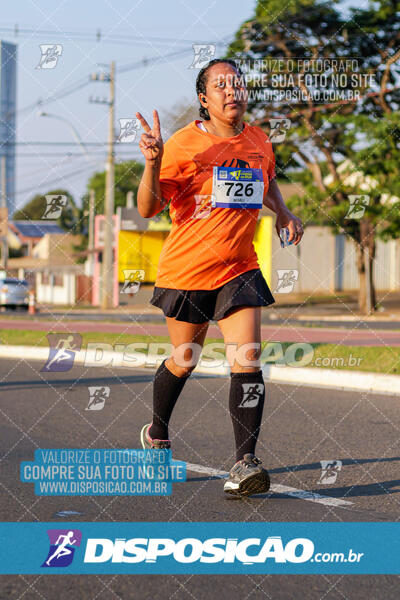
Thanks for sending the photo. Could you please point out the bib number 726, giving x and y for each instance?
(239, 188)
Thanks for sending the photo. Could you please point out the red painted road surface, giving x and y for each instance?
(276, 333)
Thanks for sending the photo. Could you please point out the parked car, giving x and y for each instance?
(14, 293)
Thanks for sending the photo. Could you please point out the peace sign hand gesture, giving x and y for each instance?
(151, 143)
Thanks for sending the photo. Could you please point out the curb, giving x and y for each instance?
(357, 381)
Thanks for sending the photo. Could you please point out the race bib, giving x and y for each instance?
(237, 188)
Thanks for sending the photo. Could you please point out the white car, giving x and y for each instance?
(14, 292)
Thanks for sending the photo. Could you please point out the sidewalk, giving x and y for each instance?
(362, 382)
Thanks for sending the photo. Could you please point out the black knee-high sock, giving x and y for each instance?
(246, 403)
(166, 390)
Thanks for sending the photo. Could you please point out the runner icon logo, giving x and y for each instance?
(330, 471)
(50, 55)
(62, 351)
(252, 393)
(279, 127)
(63, 543)
(133, 278)
(97, 397)
(128, 129)
(203, 53)
(54, 206)
(286, 280)
(203, 206)
(358, 204)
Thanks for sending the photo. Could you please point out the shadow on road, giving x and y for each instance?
(81, 382)
(377, 488)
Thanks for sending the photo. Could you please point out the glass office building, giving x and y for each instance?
(8, 93)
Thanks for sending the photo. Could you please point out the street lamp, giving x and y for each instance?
(74, 131)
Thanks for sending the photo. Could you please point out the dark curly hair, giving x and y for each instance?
(201, 81)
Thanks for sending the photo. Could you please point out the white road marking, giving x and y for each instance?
(310, 496)
(277, 488)
(206, 470)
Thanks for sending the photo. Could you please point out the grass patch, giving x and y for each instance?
(374, 359)
(27, 337)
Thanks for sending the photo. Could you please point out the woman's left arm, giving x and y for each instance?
(284, 218)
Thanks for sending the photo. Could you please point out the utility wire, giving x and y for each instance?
(96, 36)
(53, 181)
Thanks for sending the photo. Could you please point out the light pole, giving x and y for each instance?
(108, 252)
(107, 275)
(72, 128)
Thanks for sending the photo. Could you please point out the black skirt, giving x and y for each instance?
(199, 306)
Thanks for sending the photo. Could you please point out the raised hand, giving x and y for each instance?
(151, 143)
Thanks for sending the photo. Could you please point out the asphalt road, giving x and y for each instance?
(301, 428)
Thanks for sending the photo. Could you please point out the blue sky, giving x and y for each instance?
(134, 26)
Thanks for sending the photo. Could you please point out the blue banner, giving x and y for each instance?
(214, 548)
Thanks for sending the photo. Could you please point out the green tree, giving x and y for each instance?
(127, 178)
(325, 136)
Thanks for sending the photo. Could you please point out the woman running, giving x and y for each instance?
(216, 173)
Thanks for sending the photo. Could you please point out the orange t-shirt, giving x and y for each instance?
(205, 253)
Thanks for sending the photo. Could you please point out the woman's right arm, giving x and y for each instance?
(149, 197)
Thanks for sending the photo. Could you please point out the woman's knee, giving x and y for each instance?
(244, 357)
(185, 357)
(178, 369)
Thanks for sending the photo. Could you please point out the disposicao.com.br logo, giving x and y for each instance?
(247, 551)
(159, 547)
